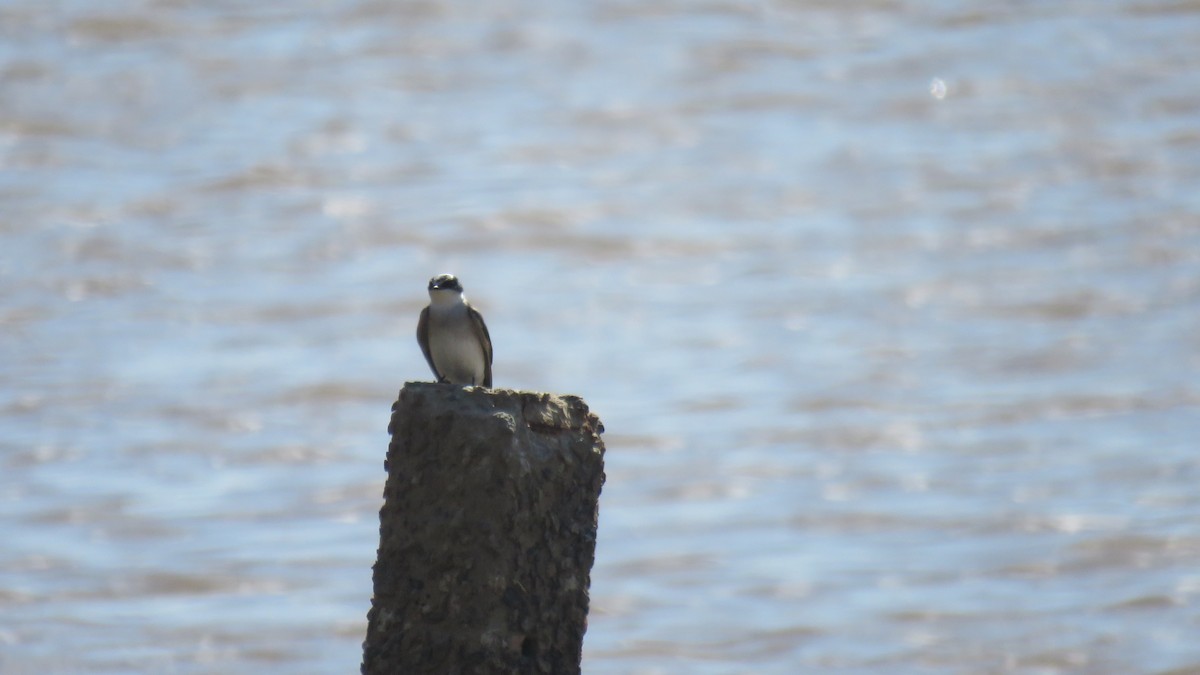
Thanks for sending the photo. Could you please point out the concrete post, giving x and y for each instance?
(487, 533)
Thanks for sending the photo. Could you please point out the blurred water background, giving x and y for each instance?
(891, 310)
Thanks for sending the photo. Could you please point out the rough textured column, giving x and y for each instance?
(487, 533)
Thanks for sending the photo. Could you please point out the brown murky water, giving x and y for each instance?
(891, 309)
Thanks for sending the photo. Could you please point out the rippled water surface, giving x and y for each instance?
(891, 311)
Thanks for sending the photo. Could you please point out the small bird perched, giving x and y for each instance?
(453, 337)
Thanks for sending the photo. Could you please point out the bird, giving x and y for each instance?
(453, 336)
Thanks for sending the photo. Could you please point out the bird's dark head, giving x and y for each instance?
(445, 282)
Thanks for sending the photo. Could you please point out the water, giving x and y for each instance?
(890, 311)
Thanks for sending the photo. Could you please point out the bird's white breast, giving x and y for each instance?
(454, 346)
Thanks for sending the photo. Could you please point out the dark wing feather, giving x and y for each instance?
(481, 332)
(423, 340)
